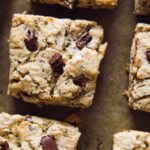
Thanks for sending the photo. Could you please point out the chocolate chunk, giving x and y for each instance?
(80, 80)
(5, 146)
(48, 143)
(83, 40)
(31, 41)
(57, 63)
(148, 56)
(28, 118)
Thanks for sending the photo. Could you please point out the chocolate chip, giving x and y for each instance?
(80, 80)
(31, 41)
(148, 55)
(5, 146)
(83, 40)
(57, 63)
(48, 143)
(28, 118)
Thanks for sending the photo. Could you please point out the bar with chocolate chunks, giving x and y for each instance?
(54, 61)
(142, 7)
(82, 3)
(19, 132)
(131, 140)
(139, 73)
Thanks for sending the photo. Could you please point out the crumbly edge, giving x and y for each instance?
(130, 139)
(15, 126)
(141, 10)
(140, 27)
(106, 4)
(109, 4)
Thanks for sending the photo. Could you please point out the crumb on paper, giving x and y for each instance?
(74, 119)
(126, 67)
(125, 93)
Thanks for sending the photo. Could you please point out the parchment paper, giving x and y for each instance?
(109, 113)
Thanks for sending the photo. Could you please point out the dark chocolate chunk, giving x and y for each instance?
(31, 41)
(57, 63)
(80, 80)
(48, 143)
(148, 56)
(5, 146)
(83, 40)
(28, 118)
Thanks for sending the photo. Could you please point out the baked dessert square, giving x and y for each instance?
(30, 132)
(142, 7)
(54, 61)
(82, 3)
(131, 140)
(139, 73)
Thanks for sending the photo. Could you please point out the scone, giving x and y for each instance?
(82, 3)
(142, 7)
(131, 140)
(33, 133)
(139, 73)
(54, 61)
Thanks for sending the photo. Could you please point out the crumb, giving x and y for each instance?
(74, 119)
(126, 67)
(125, 93)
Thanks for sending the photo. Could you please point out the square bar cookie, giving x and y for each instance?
(131, 140)
(82, 3)
(54, 61)
(139, 73)
(142, 7)
(29, 132)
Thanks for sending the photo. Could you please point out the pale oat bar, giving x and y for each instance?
(139, 78)
(34, 133)
(82, 3)
(131, 140)
(54, 61)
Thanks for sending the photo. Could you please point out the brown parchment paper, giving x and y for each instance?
(109, 113)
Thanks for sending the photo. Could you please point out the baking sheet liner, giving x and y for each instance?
(109, 113)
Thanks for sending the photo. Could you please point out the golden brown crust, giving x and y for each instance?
(83, 3)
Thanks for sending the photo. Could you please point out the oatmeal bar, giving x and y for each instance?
(139, 77)
(131, 140)
(142, 7)
(29, 132)
(82, 3)
(54, 61)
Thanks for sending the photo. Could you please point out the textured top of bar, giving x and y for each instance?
(29, 133)
(131, 140)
